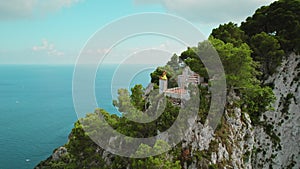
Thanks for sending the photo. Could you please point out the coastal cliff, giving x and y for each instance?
(260, 124)
(236, 143)
(278, 144)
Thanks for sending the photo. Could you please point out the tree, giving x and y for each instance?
(189, 53)
(191, 58)
(239, 67)
(171, 75)
(157, 73)
(137, 97)
(174, 62)
(229, 33)
(124, 103)
(241, 75)
(281, 19)
(266, 50)
(81, 149)
(256, 100)
(163, 161)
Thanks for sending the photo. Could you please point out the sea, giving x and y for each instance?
(37, 111)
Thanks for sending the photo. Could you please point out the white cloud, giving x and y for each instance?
(95, 52)
(210, 11)
(102, 51)
(47, 47)
(20, 9)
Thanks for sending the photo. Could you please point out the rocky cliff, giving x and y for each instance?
(236, 143)
(274, 143)
(278, 143)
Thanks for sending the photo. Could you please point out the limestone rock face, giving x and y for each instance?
(237, 143)
(282, 150)
(61, 151)
(198, 136)
(231, 145)
(274, 144)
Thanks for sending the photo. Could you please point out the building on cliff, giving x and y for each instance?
(187, 77)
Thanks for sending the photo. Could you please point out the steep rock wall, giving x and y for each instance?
(282, 148)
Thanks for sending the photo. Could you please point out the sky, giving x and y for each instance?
(56, 31)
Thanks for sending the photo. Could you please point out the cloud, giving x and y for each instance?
(47, 47)
(209, 11)
(95, 52)
(21, 9)
(102, 51)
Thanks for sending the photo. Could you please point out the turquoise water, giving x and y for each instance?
(37, 112)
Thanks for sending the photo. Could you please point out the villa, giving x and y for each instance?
(187, 77)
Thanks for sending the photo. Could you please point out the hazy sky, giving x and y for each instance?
(54, 31)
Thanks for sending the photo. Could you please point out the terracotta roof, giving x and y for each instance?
(176, 90)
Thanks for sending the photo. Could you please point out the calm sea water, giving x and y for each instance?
(37, 112)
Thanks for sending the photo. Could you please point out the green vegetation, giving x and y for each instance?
(286, 103)
(229, 33)
(281, 19)
(84, 153)
(163, 161)
(191, 58)
(249, 53)
(137, 97)
(274, 138)
(271, 32)
(292, 163)
(246, 156)
(135, 129)
(173, 70)
(241, 76)
(266, 50)
(240, 69)
(204, 103)
(81, 152)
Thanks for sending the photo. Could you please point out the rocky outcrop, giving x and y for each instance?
(229, 146)
(198, 137)
(274, 143)
(278, 143)
(236, 143)
(58, 153)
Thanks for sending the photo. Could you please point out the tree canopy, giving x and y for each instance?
(229, 33)
(240, 69)
(281, 19)
(256, 47)
(267, 51)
